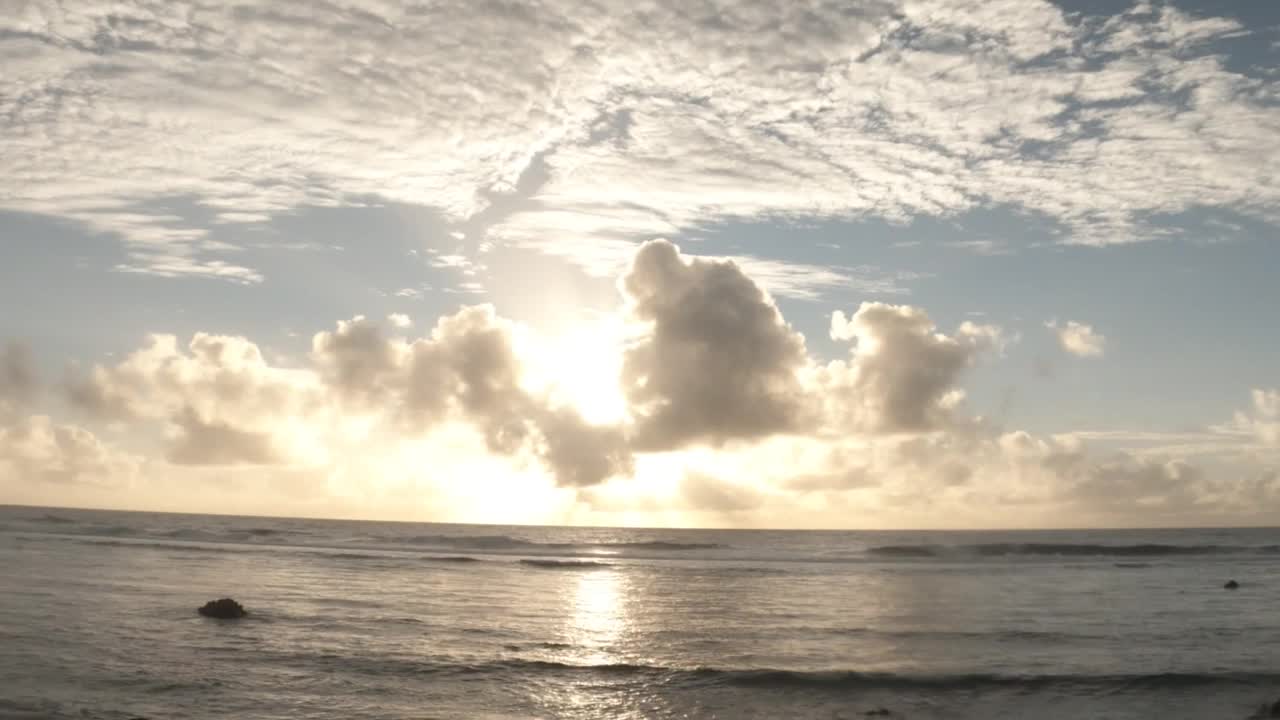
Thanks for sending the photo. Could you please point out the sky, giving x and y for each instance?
(885, 264)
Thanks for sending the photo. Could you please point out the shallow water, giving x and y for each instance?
(398, 620)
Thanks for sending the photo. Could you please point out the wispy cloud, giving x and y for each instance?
(554, 126)
(981, 247)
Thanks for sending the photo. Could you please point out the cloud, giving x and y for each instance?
(18, 379)
(557, 127)
(581, 454)
(399, 320)
(842, 469)
(1079, 339)
(981, 247)
(1127, 483)
(706, 493)
(221, 402)
(357, 362)
(715, 361)
(725, 417)
(902, 375)
(1263, 421)
(467, 368)
(201, 442)
(36, 449)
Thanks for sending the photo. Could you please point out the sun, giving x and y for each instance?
(580, 367)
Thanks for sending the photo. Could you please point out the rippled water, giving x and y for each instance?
(396, 620)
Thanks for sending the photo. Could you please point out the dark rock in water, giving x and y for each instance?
(1232, 585)
(879, 712)
(1269, 710)
(225, 609)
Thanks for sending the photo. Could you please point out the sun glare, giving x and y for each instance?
(580, 366)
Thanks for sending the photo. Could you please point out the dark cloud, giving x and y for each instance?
(703, 492)
(214, 442)
(356, 360)
(582, 454)
(717, 362)
(847, 478)
(18, 378)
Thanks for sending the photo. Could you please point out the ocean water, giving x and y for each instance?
(398, 620)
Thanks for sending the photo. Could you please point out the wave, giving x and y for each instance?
(843, 680)
(245, 535)
(660, 545)
(507, 542)
(495, 542)
(157, 546)
(562, 564)
(1063, 550)
(192, 535)
(54, 519)
(352, 556)
(992, 635)
(110, 530)
(854, 681)
(451, 558)
(517, 647)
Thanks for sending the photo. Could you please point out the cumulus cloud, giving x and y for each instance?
(358, 362)
(399, 320)
(903, 373)
(1078, 339)
(1126, 483)
(223, 404)
(1263, 421)
(38, 449)
(221, 401)
(726, 414)
(1054, 479)
(715, 361)
(34, 448)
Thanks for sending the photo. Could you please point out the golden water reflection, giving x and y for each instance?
(599, 621)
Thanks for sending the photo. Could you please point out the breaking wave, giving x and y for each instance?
(562, 564)
(836, 680)
(1063, 550)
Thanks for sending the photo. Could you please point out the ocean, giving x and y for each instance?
(401, 620)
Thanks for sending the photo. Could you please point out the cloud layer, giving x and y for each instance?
(726, 419)
(555, 125)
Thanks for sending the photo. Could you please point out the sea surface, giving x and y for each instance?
(401, 620)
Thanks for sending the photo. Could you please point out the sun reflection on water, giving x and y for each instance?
(598, 620)
(596, 624)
